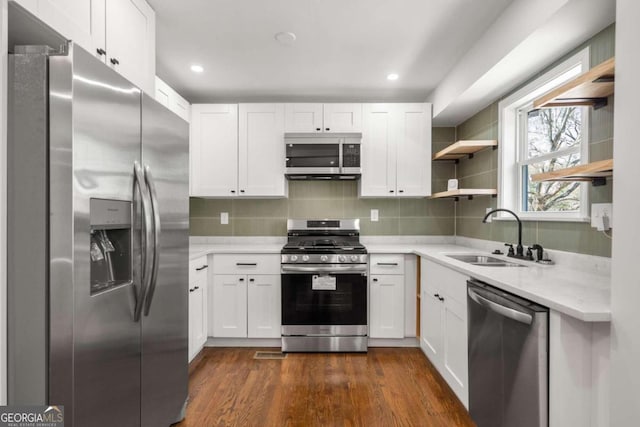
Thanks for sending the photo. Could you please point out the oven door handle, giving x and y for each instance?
(335, 269)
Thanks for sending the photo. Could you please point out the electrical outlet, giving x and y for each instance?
(602, 216)
(224, 218)
(374, 215)
(486, 211)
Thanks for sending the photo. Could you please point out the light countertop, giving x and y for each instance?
(579, 294)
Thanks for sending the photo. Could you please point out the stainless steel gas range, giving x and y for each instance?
(324, 287)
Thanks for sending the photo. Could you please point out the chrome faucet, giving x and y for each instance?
(519, 249)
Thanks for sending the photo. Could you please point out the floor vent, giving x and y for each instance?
(269, 355)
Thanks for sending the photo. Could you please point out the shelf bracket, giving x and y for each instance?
(599, 181)
(471, 155)
(470, 197)
(455, 199)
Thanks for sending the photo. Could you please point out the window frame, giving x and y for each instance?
(511, 134)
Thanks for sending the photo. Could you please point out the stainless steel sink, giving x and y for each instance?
(484, 261)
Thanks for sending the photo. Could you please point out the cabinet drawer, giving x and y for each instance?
(246, 264)
(198, 265)
(386, 264)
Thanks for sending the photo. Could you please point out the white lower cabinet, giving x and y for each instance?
(245, 303)
(386, 296)
(197, 305)
(443, 324)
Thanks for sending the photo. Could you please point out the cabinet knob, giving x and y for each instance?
(436, 295)
(114, 61)
(401, 191)
(191, 290)
(252, 280)
(242, 191)
(327, 129)
(441, 299)
(242, 280)
(233, 191)
(318, 129)
(391, 191)
(197, 287)
(101, 51)
(375, 280)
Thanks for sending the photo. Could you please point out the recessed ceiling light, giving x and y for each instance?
(285, 38)
(197, 68)
(392, 76)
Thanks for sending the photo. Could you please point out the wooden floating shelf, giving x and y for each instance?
(591, 88)
(463, 149)
(465, 192)
(596, 172)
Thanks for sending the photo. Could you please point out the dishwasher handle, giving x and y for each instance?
(511, 313)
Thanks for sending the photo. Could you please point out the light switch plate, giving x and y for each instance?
(224, 218)
(602, 216)
(374, 215)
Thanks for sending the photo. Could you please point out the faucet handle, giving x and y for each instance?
(511, 251)
(529, 254)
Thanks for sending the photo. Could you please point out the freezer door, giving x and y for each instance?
(94, 142)
(165, 156)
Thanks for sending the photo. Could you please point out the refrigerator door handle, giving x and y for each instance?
(148, 176)
(146, 224)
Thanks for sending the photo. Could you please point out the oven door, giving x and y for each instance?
(305, 157)
(323, 299)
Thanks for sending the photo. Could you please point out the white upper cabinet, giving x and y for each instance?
(261, 150)
(120, 32)
(130, 41)
(214, 150)
(305, 117)
(310, 117)
(342, 117)
(396, 150)
(172, 100)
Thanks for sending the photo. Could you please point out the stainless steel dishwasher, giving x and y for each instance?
(508, 359)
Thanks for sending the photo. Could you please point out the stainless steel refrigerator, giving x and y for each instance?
(97, 243)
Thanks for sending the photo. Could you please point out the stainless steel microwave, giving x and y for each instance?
(323, 156)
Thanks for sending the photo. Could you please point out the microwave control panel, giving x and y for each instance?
(351, 155)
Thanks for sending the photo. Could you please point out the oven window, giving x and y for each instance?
(346, 305)
(313, 155)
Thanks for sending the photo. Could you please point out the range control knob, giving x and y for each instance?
(305, 257)
(324, 258)
(294, 258)
(342, 258)
(354, 258)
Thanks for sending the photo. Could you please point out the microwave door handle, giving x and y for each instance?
(139, 181)
(340, 148)
(156, 239)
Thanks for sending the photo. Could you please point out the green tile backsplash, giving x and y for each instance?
(482, 172)
(322, 199)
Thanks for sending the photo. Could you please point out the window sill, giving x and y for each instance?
(542, 219)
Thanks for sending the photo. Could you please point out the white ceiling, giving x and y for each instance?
(343, 52)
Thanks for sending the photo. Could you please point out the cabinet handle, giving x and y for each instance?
(250, 264)
(233, 191)
(191, 290)
(318, 129)
(391, 191)
(242, 191)
(202, 268)
(197, 287)
(436, 295)
(241, 280)
(327, 129)
(252, 280)
(375, 280)
(114, 61)
(441, 299)
(401, 191)
(388, 263)
(101, 51)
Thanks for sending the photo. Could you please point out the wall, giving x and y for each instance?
(322, 199)
(625, 281)
(482, 172)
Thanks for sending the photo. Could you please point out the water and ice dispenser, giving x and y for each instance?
(111, 248)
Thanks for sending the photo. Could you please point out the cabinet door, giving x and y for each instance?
(130, 36)
(261, 150)
(192, 314)
(304, 117)
(387, 306)
(342, 118)
(454, 354)
(82, 21)
(378, 151)
(229, 306)
(214, 150)
(200, 293)
(264, 306)
(431, 318)
(413, 139)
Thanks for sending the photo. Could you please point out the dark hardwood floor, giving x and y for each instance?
(386, 387)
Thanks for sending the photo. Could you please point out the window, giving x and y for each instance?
(543, 140)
